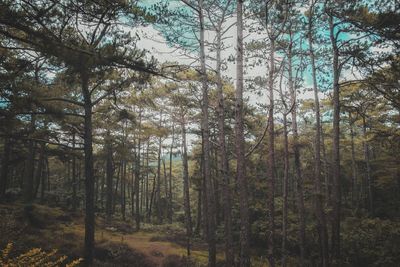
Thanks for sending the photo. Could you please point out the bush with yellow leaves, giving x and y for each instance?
(34, 257)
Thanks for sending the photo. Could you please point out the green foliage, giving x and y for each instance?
(371, 242)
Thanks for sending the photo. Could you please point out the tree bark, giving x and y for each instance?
(240, 154)
(89, 177)
(186, 196)
(335, 144)
(297, 163)
(5, 168)
(223, 162)
(109, 178)
(158, 191)
(319, 200)
(206, 143)
(271, 157)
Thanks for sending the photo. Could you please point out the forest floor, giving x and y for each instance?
(117, 244)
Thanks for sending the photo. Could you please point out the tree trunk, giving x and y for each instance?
(319, 200)
(240, 154)
(271, 156)
(285, 190)
(297, 163)
(4, 168)
(368, 167)
(30, 166)
(137, 177)
(109, 178)
(158, 191)
(223, 162)
(335, 145)
(186, 196)
(74, 185)
(89, 177)
(353, 163)
(170, 208)
(206, 143)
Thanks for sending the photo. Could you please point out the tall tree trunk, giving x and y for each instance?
(271, 156)
(199, 211)
(5, 168)
(170, 209)
(240, 154)
(186, 196)
(30, 166)
(353, 163)
(297, 163)
(158, 191)
(223, 162)
(147, 182)
(368, 167)
(89, 177)
(39, 169)
(137, 176)
(335, 144)
(319, 200)
(109, 177)
(285, 190)
(206, 143)
(74, 185)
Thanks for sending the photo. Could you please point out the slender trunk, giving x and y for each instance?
(353, 164)
(368, 167)
(39, 170)
(74, 185)
(4, 168)
(151, 200)
(240, 154)
(319, 200)
(199, 209)
(206, 143)
(223, 162)
(109, 178)
(158, 191)
(271, 156)
(170, 209)
(285, 190)
(297, 164)
(335, 144)
(30, 166)
(123, 185)
(137, 177)
(147, 181)
(89, 177)
(186, 196)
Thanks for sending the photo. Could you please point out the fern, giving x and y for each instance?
(34, 257)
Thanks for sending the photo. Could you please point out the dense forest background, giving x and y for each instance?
(268, 136)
